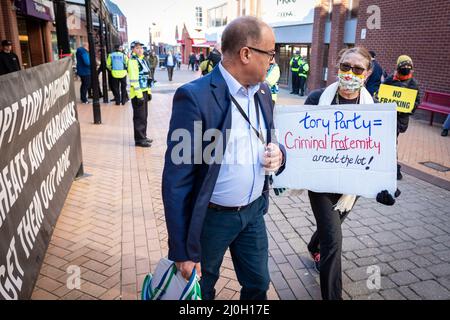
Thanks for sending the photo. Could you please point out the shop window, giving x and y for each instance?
(199, 16)
(24, 42)
(353, 9)
(217, 16)
(330, 10)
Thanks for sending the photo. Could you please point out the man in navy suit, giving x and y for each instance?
(216, 200)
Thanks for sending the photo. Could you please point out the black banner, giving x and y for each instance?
(40, 154)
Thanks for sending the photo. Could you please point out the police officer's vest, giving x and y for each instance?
(295, 64)
(118, 61)
(144, 71)
(273, 89)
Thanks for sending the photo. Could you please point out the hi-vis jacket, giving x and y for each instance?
(138, 72)
(272, 77)
(303, 69)
(117, 63)
(294, 63)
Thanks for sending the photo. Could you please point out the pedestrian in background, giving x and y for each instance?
(446, 127)
(272, 77)
(197, 63)
(154, 62)
(215, 55)
(171, 61)
(117, 64)
(140, 94)
(178, 55)
(192, 61)
(295, 67)
(84, 71)
(374, 81)
(303, 72)
(9, 61)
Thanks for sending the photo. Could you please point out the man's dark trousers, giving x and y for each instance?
(295, 82)
(85, 85)
(140, 114)
(244, 232)
(119, 89)
(170, 72)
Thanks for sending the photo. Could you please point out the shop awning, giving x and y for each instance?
(42, 9)
(205, 44)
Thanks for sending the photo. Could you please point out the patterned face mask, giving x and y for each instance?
(350, 81)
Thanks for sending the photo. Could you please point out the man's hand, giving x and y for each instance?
(273, 158)
(186, 268)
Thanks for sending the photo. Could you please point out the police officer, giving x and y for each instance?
(140, 93)
(295, 67)
(9, 62)
(303, 74)
(272, 77)
(117, 63)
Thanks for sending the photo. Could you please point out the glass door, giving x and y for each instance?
(24, 42)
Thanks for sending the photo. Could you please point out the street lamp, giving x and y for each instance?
(94, 76)
(62, 32)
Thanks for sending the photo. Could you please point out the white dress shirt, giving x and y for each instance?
(241, 177)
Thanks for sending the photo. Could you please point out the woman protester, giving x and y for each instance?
(330, 209)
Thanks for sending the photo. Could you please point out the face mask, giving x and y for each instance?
(349, 81)
(404, 71)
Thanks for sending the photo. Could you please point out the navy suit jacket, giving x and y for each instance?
(187, 188)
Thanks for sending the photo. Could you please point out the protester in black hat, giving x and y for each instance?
(404, 78)
(9, 62)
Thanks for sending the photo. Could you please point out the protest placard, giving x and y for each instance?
(403, 97)
(348, 149)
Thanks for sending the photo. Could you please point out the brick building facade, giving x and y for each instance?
(416, 28)
(420, 29)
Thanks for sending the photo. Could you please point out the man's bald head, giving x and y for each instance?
(242, 32)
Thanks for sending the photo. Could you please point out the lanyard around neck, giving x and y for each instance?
(241, 111)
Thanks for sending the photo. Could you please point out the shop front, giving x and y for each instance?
(34, 22)
(292, 23)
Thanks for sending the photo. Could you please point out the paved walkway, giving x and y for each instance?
(112, 225)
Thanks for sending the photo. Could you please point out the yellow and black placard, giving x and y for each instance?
(403, 97)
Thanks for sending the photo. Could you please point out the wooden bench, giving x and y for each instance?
(435, 102)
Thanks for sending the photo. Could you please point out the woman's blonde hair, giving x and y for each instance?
(359, 50)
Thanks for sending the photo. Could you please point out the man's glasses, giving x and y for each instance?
(345, 67)
(271, 54)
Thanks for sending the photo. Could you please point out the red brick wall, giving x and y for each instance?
(317, 47)
(9, 25)
(2, 23)
(336, 37)
(420, 29)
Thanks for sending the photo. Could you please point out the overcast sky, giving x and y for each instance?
(142, 13)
